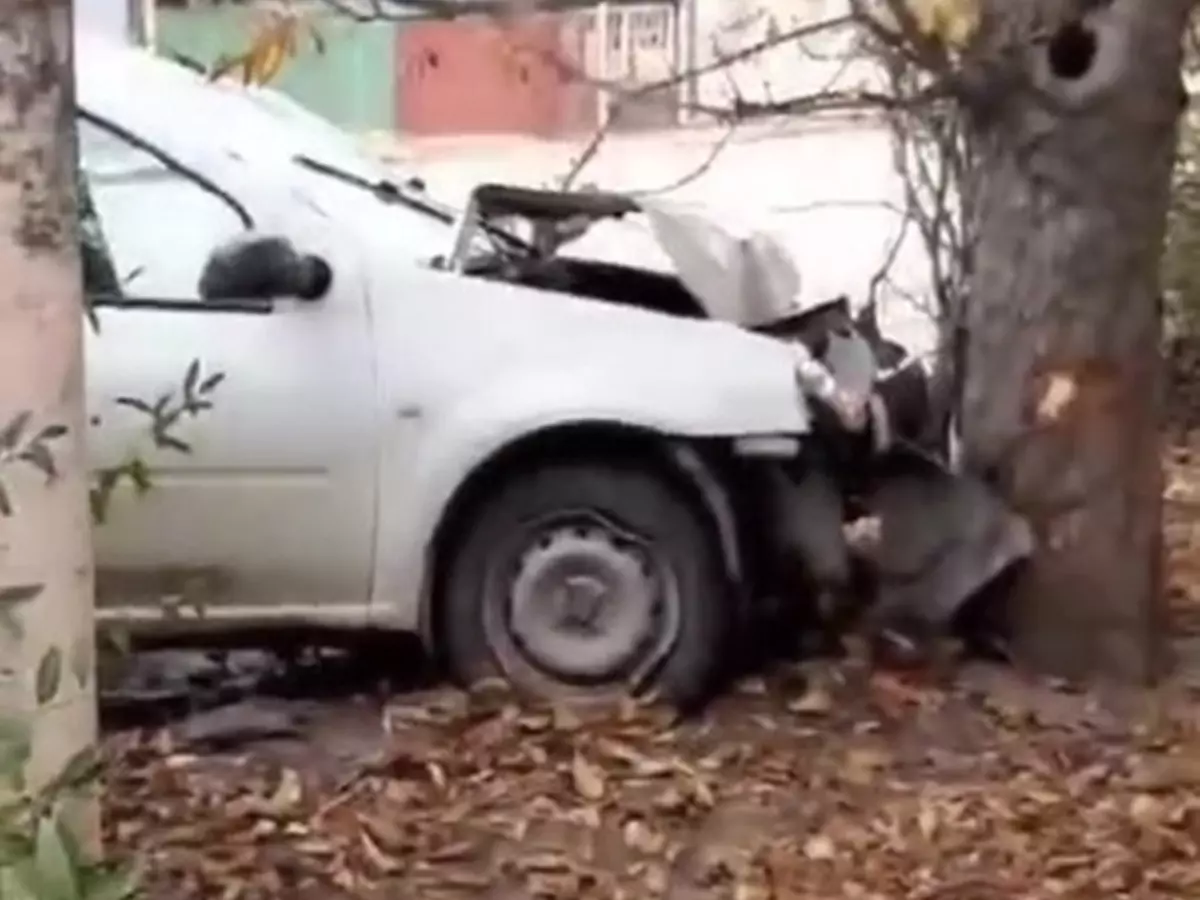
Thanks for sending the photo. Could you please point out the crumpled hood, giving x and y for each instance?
(740, 273)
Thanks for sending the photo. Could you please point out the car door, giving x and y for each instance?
(260, 507)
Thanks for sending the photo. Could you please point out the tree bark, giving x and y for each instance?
(46, 608)
(1068, 195)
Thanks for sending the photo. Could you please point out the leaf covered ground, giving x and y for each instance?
(844, 785)
(804, 783)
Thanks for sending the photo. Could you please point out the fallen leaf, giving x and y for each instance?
(816, 701)
(380, 861)
(288, 793)
(640, 836)
(587, 778)
(564, 718)
(656, 880)
(862, 764)
(819, 847)
(455, 852)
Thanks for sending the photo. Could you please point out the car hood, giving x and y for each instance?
(682, 376)
(739, 272)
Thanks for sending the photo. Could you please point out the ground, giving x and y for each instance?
(808, 781)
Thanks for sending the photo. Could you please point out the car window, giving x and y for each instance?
(158, 224)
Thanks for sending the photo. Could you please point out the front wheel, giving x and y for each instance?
(578, 580)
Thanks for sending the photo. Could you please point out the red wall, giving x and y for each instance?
(481, 76)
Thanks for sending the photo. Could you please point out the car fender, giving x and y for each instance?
(444, 448)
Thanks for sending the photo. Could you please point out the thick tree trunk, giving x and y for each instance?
(46, 642)
(1063, 377)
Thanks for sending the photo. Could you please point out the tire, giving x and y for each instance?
(567, 515)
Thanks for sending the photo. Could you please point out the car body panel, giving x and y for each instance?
(543, 361)
(345, 425)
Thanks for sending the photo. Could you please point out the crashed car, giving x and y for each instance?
(569, 473)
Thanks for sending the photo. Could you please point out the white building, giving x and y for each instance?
(111, 16)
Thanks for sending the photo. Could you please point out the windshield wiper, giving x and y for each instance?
(385, 190)
(388, 192)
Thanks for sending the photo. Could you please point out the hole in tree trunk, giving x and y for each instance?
(1072, 50)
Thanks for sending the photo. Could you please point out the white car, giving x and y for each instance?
(546, 487)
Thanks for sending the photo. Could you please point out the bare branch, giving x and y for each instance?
(714, 152)
(622, 96)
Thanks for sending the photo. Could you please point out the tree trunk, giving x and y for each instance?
(47, 641)
(1072, 157)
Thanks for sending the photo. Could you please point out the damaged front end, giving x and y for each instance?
(872, 517)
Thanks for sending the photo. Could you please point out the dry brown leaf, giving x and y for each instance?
(454, 852)
(642, 765)
(862, 765)
(554, 886)
(288, 793)
(656, 879)
(820, 847)
(467, 881)
(437, 775)
(670, 801)
(563, 718)
(587, 778)
(640, 836)
(588, 816)
(816, 701)
(546, 862)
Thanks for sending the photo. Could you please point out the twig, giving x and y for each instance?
(684, 180)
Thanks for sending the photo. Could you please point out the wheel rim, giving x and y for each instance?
(582, 601)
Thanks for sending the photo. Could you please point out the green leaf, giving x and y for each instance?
(12, 625)
(100, 495)
(16, 594)
(51, 432)
(98, 501)
(14, 731)
(20, 881)
(135, 403)
(49, 675)
(210, 383)
(110, 884)
(16, 748)
(15, 843)
(169, 442)
(10, 435)
(139, 474)
(160, 405)
(39, 456)
(83, 659)
(55, 868)
(93, 318)
(191, 379)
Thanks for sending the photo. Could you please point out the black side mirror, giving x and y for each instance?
(263, 268)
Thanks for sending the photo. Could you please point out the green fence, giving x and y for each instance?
(353, 83)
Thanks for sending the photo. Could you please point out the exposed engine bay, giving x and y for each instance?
(554, 218)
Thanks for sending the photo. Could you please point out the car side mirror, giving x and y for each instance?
(263, 268)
